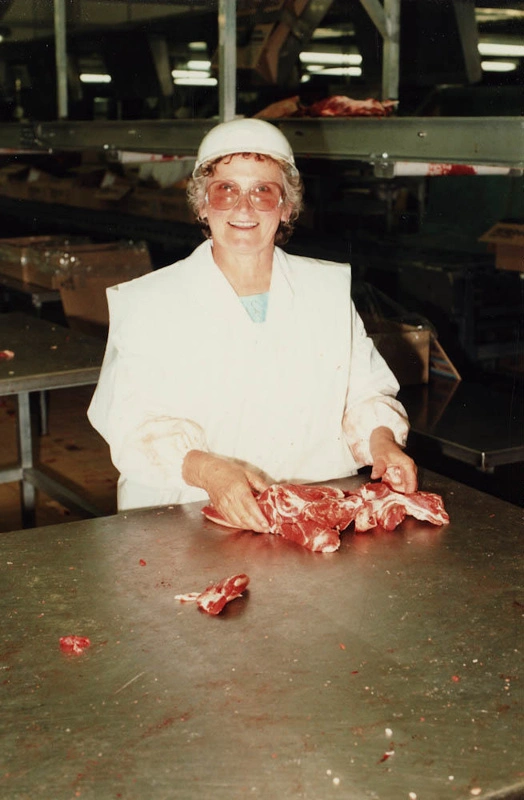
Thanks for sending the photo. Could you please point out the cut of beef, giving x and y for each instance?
(308, 515)
(342, 106)
(213, 599)
(312, 516)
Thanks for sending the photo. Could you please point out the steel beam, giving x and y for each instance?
(457, 140)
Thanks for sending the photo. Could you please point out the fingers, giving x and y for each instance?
(398, 470)
(256, 480)
(230, 488)
(241, 509)
(380, 467)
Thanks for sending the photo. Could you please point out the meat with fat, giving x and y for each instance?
(313, 516)
(342, 106)
(213, 599)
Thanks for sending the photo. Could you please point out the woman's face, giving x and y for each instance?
(244, 228)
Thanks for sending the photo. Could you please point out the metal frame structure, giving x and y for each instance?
(461, 140)
(497, 141)
(75, 360)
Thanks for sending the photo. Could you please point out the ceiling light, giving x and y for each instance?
(189, 73)
(338, 59)
(498, 66)
(498, 14)
(333, 33)
(199, 64)
(495, 49)
(198, 47)
(90, 77)
(195, 81)
(347, 71)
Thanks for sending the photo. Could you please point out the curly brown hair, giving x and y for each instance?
(292, 195)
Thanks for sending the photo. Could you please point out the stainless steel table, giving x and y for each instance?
(387, 670)
(474, 423)
(38, 295)
(47, 357)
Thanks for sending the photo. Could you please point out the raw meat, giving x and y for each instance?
(382, 506)
(308, 515)
(74, 644)
(342, 106)
(313, 516)
(215, 597)
(336, 106)
(6, 355)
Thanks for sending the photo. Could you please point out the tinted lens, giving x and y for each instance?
(265, 196)
(223, 195)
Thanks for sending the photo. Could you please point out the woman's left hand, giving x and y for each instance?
(391, 463)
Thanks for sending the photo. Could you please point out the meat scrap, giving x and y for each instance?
(313, 516)
(213, 599)
(6, 355)
(74, 644)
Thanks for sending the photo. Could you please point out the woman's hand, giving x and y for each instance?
(391, 463)
(229, 485)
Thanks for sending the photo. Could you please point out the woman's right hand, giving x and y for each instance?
(229, 485)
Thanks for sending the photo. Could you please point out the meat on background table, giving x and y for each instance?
(47, 356)
(388, 670)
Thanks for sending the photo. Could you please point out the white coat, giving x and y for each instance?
(186, 368)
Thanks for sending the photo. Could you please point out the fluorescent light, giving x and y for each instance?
(338, 59)
(199, 65)
(194, 81)
(88, 77)
(189, 73)
(498, 66)
(198, 47)
(494, 49)
(355, 71)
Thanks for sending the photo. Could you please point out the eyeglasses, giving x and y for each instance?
(224, 195)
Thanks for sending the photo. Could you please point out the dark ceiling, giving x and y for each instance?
(140, 42)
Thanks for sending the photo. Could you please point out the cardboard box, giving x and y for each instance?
(405, 349)
(112, 188)
(506, 240)
(22, 258)
(91, 269)
(173, 205)
(412, 352)
(143, 201)
(13, 181)
(38, 184)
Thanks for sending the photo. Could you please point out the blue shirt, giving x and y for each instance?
(256, 305)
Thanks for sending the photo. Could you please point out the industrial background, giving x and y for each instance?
(406, 119)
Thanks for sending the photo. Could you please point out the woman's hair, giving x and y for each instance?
(292, 195)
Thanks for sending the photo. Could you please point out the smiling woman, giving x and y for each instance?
(241, 365)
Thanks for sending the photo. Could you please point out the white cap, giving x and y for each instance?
(244, 136)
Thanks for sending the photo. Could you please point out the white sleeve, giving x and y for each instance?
(147, 446)
(370, 401)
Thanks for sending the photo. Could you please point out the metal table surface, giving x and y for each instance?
(389, 669)
(38, 295)
(47, 356)
(471, 422)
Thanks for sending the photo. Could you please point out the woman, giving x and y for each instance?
(241, 365)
